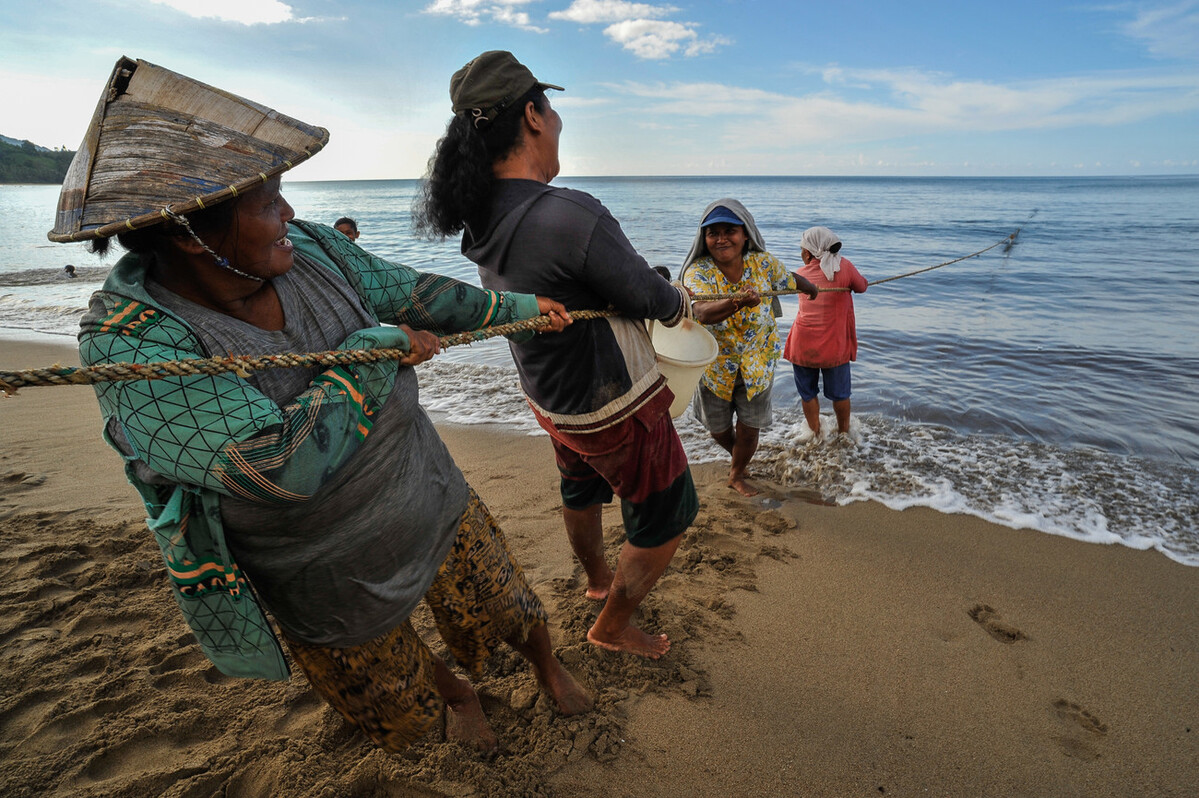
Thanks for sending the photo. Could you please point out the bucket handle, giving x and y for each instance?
(688, 311)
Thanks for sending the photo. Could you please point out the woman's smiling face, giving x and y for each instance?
(256, 242)
(725, 242)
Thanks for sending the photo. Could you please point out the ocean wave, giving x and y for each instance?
(41, 314)
(90, 275)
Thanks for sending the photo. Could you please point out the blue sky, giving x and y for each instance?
(725, 87)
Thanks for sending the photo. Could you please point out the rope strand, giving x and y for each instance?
(242, 365)
(1009, 241)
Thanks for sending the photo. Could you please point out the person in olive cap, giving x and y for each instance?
(596, 388)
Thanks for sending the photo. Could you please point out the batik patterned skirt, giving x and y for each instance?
(479, 598)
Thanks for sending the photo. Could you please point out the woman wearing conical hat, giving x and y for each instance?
(325, 493)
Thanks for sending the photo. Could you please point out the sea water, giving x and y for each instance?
(1052, 384)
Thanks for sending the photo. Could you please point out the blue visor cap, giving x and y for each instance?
(721, 215)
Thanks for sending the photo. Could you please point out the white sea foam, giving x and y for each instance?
(1080, 493)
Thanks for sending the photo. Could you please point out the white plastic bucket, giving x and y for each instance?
(683, 353)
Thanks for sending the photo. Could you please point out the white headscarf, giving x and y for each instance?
(824, 244)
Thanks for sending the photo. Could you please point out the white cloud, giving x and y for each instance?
(588, 12)
(640, 28)
(475, 12)
(882, 105)
(58, 124)
(1169, 31)
(246, 12)
(637, 27)
(657, 39)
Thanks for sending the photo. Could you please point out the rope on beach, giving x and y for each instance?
(242, 365)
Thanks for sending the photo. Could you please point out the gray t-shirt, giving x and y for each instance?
(354, 560)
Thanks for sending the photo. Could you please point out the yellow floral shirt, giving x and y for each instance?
(749, 341)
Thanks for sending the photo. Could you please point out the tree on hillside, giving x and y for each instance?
(28, 163)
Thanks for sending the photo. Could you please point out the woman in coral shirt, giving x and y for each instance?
(824, 338)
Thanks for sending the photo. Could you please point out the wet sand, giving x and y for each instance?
(817, 651)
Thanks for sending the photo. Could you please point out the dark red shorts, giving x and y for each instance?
(641, 460)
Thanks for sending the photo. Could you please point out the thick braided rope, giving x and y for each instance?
(242, 365)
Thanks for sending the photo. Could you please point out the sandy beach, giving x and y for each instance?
(817, 651)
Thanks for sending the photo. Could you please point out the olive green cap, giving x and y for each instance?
(491, 82)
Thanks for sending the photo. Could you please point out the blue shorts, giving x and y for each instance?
(836, 382)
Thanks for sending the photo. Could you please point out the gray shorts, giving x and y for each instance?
(717, 415)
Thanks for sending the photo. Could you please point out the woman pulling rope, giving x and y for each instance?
(326, 485)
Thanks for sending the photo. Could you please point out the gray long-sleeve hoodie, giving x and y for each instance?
(564, 244)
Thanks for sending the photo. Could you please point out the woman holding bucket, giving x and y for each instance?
(595, 388)
(728, 256)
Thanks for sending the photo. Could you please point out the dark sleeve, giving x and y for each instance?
(615, 271)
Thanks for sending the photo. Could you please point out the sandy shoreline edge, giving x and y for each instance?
(819, 651)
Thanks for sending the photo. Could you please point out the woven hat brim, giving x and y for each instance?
(159, 140)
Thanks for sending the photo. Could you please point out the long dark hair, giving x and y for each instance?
(458, 182)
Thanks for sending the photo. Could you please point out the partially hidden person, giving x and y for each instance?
(322, 494)
(347, 227)
(595, 388)
(824, 338)
(728, 256)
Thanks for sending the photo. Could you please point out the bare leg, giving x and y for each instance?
(841, 408)
(743, 451)
(637, 571)
(585, 529)
(464, 718)
(726, 439)
(811, 412)
(569, 696)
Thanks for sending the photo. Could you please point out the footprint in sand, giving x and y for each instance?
(20, 479)
(1083, 730)
(810, 496)
(986, 617)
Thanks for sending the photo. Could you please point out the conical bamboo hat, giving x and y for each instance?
(159, 140)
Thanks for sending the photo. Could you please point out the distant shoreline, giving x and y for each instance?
(762, 177)
(560, 178)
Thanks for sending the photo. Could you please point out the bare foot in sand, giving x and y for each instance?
(569, 696)
(537, 648)
(739, 484)
(632, 641)
(465, 723)
(598, 592)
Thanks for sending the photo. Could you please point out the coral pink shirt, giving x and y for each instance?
(824, 334)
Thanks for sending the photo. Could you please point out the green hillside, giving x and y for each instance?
(25, 162)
